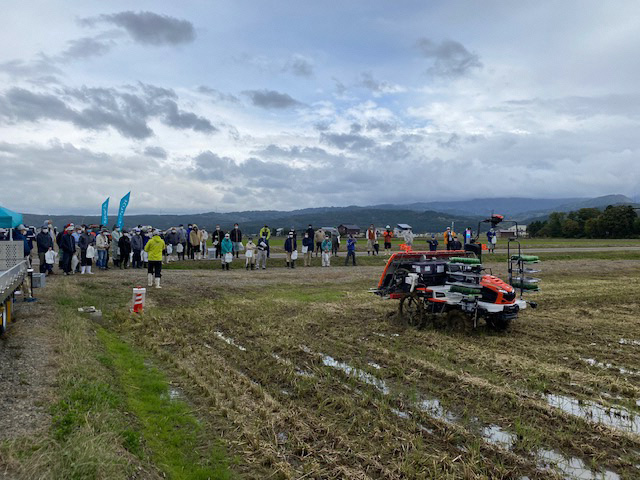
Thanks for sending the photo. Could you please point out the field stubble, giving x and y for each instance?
(320, 381)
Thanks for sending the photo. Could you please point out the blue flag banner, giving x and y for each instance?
(123, 206)
(105, 212)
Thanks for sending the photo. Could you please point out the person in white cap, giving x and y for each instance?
(154, 248)
(388, 235)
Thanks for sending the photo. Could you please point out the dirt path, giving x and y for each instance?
(27, 371)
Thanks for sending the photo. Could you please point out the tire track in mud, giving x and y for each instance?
(397, 426)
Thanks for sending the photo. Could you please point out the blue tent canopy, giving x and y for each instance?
(9, 219)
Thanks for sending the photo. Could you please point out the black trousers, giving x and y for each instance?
(155, 267)
(351, 254)
(137, 259)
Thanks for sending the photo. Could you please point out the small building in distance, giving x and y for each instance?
(400, 229)
(511, 232)
(346, 229)
(331, 230)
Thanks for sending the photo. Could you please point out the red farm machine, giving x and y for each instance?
(452, 289)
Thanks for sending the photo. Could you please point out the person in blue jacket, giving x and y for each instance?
(433, 243)
(21, 235)
(307, 247)
(351, 250)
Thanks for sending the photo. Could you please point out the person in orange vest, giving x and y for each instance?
(388, 235)
(448, 238)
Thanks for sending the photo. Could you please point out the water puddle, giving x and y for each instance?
(572, 468)
(594, 363)
(626, 341)
(619, 418)
(374, 365)
(495, 435)
(434, 408)
(229, 341)
(357, 373)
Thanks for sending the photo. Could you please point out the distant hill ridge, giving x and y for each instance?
(422, 216)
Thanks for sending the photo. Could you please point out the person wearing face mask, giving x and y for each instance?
(189, 246)
(204, 236)
(102, 245)
(154, 248)
(265, 232)
(44, 244)
(146, 236)
(115, 241)
(75, 260)
(68, 247)
(136, 248)
(182, 234)
(226, 249)
(262, 249)
(326, 246)
(216, 238)
(172, 238)
(195, 239)
(291, 246)
(86, 240)
(307, 248)
(236, 239)
(124, 245)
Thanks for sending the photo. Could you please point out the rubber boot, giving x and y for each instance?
(252, 266)
(227, 266)
(287, 264)
(89, 270)
(246, 267)
(223, 265)
(150, 279)
(293, 264)
(82, 270)
(158, 282)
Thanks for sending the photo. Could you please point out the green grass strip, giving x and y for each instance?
(168, 427)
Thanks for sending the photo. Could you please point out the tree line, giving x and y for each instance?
(619, 221)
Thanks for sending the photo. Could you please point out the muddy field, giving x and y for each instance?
(307, 375)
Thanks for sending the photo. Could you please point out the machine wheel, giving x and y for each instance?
(498, 322)
(458, 321)
(412, 310)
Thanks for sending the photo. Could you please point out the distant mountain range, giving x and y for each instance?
(423, 217)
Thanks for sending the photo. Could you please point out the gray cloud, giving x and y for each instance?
(126, 111)
(217, 95)
(449, 58)
(347, 141)
(381, 125)
(149, 28)
(300, 66)
(85, 47)
(376, 86)
(155, 152)
(211, 166)
(42, 66)
(270, 99)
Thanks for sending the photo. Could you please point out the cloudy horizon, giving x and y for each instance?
(230, 106)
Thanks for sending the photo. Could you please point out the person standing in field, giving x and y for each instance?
(44, 244)
(204, 236)
(115, 238)
(262, 249)
(195, 239)
(448, 238)
(372, 238)
(335, 243)
(307, 248)
(318, 237)
(327, 246)
(124, 245)
(250, 254)
(492, 239)
(216, 237)
(407, 235)
(182, 233)
(102, 245)
(388, 235)
(433, 243)
(68, 247)
(310, 231)
(226, 250)
(172, 239)
(86, 240)
(265, 233)
(154, 248)
(290, 246)
(136, 248)
(467, 235)
(236, 239)
(351, 250)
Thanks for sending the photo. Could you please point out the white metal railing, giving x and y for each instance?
(11, 279)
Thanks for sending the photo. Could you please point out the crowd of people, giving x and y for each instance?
(76, 247)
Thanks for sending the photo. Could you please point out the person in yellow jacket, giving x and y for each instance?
(265, 232)
(154, 247)
(448, 238)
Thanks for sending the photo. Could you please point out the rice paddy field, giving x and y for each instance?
(304, 374)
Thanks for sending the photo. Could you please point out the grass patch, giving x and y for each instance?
(168, 427)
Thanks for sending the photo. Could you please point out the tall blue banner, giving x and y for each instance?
(123, 206)
(105, 212)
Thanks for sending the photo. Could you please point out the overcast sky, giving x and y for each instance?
(238, 105)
